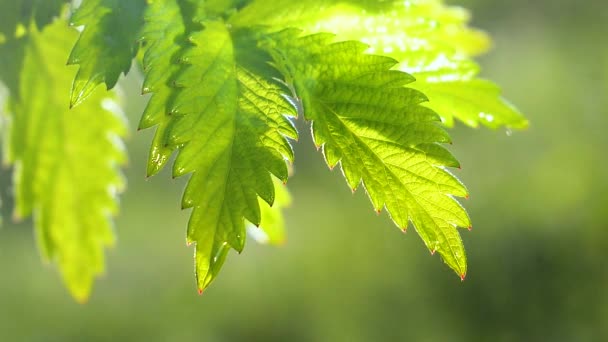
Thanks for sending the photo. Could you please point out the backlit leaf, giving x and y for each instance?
(66, 162)
(373, 127)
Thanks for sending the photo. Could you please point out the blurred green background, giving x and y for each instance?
(537, 253)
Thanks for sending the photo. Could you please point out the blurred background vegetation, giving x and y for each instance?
(537, 253)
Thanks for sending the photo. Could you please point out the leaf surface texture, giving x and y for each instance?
(431, 41)
(367, 121)
(228, 120)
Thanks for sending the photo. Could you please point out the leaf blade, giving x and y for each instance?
(66, 163)
(379, 134)
(228, 121)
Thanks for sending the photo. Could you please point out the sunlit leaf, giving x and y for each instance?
(226, 77)
(66, 162)
(367, 121)
(431, 41)
(228, 120)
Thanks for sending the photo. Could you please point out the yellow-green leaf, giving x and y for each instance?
(373, 127)
(66, 162)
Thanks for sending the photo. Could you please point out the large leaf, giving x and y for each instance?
(107, 43)
(366, 120)
(227, 117)
(66, 161)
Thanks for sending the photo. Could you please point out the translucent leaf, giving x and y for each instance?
(66, 162)
(367, 121)
(430, 40)
(227, 117)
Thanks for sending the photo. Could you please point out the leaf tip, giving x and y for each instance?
(470, 228)
(463, 277)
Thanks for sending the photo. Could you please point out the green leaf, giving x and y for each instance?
(227, 118)
(106, 45)
(377, 130)
(471, 100)
(431, 41)
(66, 161)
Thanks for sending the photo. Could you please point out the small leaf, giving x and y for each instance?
(473, 101)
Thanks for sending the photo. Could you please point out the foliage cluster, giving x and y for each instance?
(377, 80)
